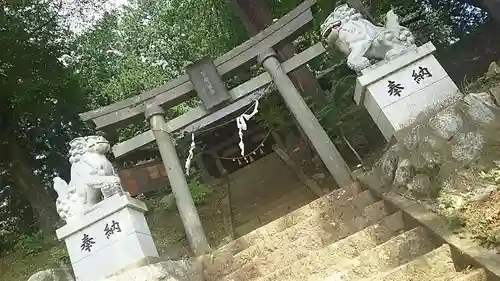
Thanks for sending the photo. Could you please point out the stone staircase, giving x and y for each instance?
(345, 235)
(271, 210)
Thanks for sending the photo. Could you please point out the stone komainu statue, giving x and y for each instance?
(92, 177)
(361, 40)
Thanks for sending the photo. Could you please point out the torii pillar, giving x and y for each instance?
(184, 201)
(310, 125)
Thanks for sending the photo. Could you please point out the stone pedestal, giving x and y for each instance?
(398, 91)
(111, 238)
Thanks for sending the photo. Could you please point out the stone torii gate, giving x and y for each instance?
(151, 105)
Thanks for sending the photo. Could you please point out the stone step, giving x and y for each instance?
(435, 264)
(274, 211)
(280, 224)
(387, 256)
(291, 196)
(473, 275)
(303, 238)
(345, 249)
(344, 210)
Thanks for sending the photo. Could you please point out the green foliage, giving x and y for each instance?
(59, 255)
(39, 102)
(149, 43)
(342, 118)
(200, 191)
(273, 113)
(29, 245)
(155, 204)
(48, 75)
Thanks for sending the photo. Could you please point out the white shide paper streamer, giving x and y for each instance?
(190, 156)
(242, 125)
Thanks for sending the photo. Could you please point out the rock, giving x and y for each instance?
(403, 173)
(431, 158)
(387, 165)
(485, 97)
(435, 143)
(493, 70)
(457, 202)
(448, 184)
(478, 107)
(59, 274)
(358, 173)
(421, 187)
(168, 201)
(169, 270)
(415, 135)
(482, 194)
(417, 161)
(495, 91)
(449, 177)
(446, 123)
(431, 152)
(451, 201)
(319, 177)
(467, 146)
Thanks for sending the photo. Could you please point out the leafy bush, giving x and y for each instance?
(59, 255)
(155, 204)
(29, 245)
(200, 191)
(273, 113)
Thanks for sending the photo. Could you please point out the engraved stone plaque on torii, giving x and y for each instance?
(208, 83)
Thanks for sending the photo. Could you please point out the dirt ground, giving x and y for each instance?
(473, 205)
(483, 218)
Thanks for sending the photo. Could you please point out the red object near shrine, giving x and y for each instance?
(144, 177)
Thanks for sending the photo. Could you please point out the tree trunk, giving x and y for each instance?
(256, 16)
(22, 171)
(42, 203)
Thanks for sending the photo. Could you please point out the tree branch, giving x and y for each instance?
(51, 19)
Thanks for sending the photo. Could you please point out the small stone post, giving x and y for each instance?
(185, 204)
(306, 119)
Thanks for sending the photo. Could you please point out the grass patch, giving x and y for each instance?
(31, 254)
(16, 266)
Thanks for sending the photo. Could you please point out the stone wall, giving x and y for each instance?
(428, 156)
